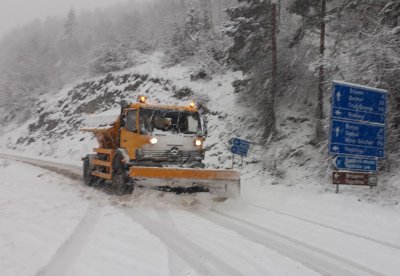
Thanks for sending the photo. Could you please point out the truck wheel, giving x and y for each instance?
(120, 177)
(88, 178)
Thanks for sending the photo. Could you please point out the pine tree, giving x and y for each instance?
(185, 40)
(207, 24)
(193, 25)
(313, 13)
(70, 24)
(111, 59)
(69, 49)
(250, 27)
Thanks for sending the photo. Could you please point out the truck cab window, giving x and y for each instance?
(131, 120)
(174, 121)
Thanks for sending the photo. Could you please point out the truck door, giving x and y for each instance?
(129, 134)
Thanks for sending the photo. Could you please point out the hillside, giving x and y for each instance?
(290, 159)
(58, 75)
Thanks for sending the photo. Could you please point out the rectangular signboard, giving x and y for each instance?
(358, 139)
(240, 143)
(238, 151)
(352, 178)
(356, 115)
(356, 164)
(358, 103)
(239, 146)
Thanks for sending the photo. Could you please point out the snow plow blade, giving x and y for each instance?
(224, 183)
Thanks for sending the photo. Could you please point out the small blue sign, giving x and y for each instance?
(356, 164)
(239, 146)
(358, 103)
(358, 139)
(238, 151)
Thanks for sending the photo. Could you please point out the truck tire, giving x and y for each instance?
(88, 178)
(120, 177)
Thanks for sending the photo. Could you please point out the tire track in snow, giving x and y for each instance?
(70, 171)
(240, 226)
(172, 255)
(75, 173)
(315, 258)
(67, 170)
(328, 227)
(203, 261)
(166, 218)
(69, 251)
(175, 262)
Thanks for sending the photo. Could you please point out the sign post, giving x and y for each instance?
(357, 133)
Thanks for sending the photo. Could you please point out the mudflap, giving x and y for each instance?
(222, 183)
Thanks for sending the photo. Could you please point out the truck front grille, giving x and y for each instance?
(167, 156)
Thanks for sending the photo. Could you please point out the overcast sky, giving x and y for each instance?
(17, 12)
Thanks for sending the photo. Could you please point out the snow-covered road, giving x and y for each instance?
(50, 224)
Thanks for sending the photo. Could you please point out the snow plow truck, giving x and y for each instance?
(156, 146)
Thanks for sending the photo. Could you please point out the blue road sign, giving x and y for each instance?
(358, 103)
(356, 151)
(356, 164)
(239, 146)
(353, 115)
(240, 143)
(359, 139)
(239, 151)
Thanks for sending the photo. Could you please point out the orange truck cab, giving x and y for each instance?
(158, 146)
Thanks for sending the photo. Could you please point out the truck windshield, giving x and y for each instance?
(158, 120)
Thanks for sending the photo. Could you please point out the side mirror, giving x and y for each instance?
(123, 104)
(123, 120)
(204, 122)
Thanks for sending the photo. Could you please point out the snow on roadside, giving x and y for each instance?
(38, 212)
(338, 210)
(49, 224)
(225, 248)
(120, 246)
(359, 231)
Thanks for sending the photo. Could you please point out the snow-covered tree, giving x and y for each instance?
(194, 39)
(112, 59)
(70, 24)
(206, 15)
(313, 13)
(249, 27)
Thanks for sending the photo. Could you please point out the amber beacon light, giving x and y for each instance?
(142, 99)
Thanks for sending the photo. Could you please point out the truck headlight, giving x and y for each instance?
(198, 142)
(153, 140)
